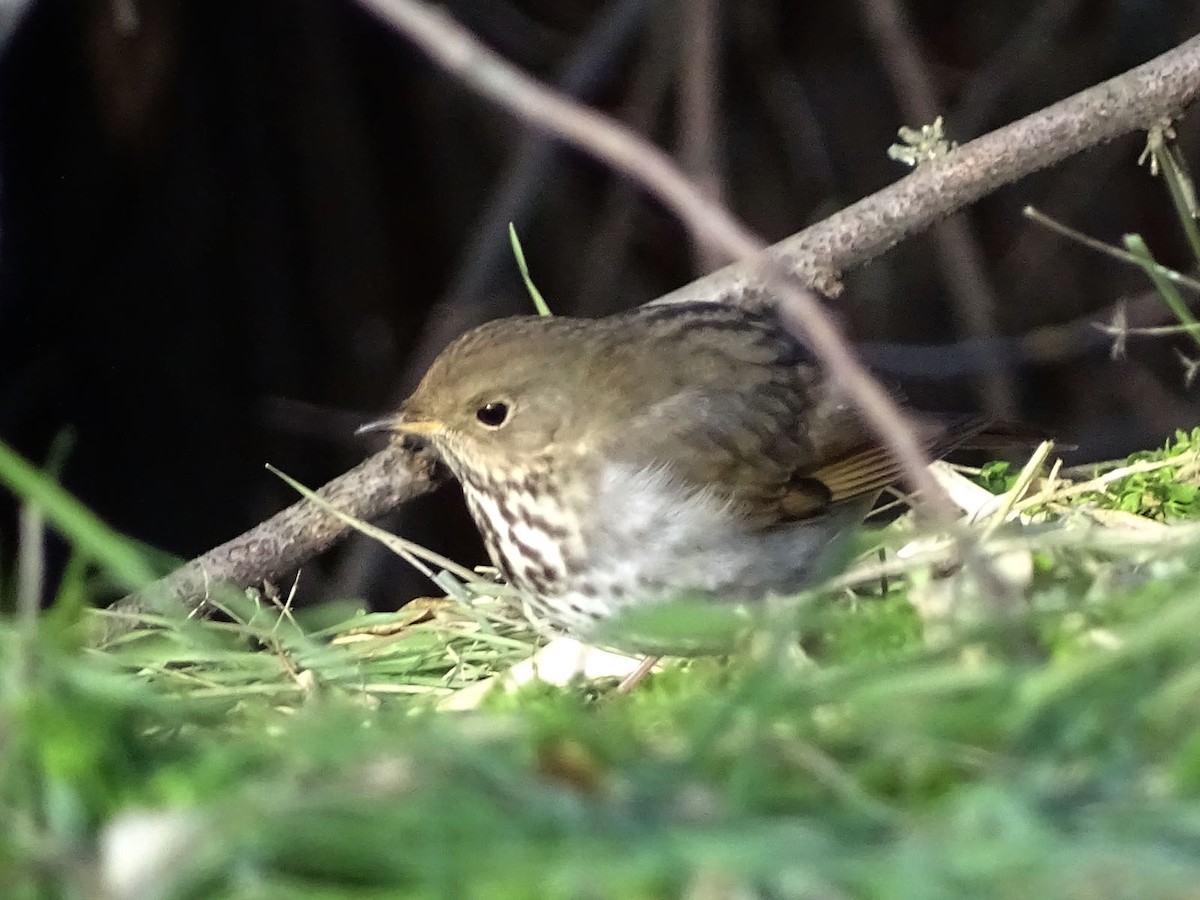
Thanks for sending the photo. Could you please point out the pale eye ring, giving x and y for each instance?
(493, 414)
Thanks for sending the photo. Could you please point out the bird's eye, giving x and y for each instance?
(493, 415)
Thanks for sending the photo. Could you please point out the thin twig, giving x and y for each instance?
(699, 107)
(1116, 253)
(455, 49)
(31, 563)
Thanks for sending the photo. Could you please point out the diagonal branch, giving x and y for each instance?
(866, 229)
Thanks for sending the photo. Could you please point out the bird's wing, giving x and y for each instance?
(776, 455)
(740, 408)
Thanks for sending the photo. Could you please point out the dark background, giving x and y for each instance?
(230, 232)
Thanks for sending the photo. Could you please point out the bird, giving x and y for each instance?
(691, 449)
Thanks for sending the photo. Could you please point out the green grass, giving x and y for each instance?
(1050, 749)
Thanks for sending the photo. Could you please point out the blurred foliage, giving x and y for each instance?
(1048, 752)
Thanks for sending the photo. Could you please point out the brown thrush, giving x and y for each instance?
(688, 449)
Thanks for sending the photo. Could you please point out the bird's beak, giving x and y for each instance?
(403, 422)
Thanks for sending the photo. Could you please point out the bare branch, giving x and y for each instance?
(700, 66)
